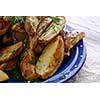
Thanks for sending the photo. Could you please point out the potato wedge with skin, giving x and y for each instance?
(43, 25)
(51, 58)
(3, 27)
(28, 59)
(27, 65)
(71, 39)
(3, 76)
(31, 24)
(10, 52)
(8, 65)
(54, 29)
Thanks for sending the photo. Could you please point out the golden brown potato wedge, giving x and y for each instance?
(27, 65)
(51, 58)
(54, 29)
(10, 52)
(3, 76)
(8, 65)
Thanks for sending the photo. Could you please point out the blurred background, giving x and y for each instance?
(90, 72)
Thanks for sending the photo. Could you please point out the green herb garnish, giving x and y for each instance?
(54, 28)
(16, 19)
(55, 19)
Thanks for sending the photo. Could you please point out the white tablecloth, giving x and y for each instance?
(90, 72)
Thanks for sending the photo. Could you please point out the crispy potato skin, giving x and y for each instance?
(10, 52)
(3, 76)
(8, 65)
(51, 58)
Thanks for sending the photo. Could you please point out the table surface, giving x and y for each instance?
(90, 72)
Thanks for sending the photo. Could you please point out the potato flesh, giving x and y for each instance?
(3, 76)
(51, 58)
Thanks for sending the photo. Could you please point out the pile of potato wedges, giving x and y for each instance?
(38, 44)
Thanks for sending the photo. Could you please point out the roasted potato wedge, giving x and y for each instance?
(54, 29)
(27, 65)
(28, 58)
(43, 25)
(10, 52)
(3, 27)
(3, 76)
(71, 39)
(51, 58)
(8, 65)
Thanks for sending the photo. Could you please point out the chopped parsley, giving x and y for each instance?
(55, 19)
(16, 19)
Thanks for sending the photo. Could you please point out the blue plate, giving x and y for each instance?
(69, 67)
